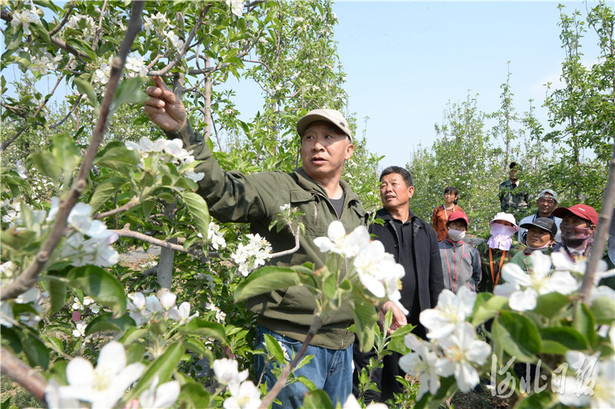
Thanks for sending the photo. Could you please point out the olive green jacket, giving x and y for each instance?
(255, 199)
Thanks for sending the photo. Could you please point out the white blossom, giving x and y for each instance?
(104, 385)
(164, 396)
(25, 18)
(593, 384)
(102, 74)
(79, 331)
(377, 269)
(462, 350)
(352, 403)
(338, 242)
(227, 372)
(243, 396)
(135, 65)
(422, 363)
(451, 311)
(236, 7)
(215, 237)
(251, 255)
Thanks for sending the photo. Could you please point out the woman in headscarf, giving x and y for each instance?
(496, 251)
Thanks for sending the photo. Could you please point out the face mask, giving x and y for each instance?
(575, 237)
(530, 248)
(456, 235)
(498, 229)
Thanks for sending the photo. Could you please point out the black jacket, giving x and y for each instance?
(427, 260)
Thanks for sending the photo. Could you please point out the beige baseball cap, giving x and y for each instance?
(328, 115)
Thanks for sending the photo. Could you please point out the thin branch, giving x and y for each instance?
(134, 202)
(21, 373)
(601, 234)
(31, 274)
(99, 29)
(63, 22)
(7, 143)
(185, 48)
(62, 44)
(126, 232)
(61, 121)
(289, 251)
(281, 382)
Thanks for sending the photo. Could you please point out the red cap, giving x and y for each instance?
(458, 215)
(582, 210)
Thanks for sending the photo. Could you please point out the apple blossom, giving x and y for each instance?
(422, 363)
(243, 396)
(104, 385)
(164, 396)
(227, 373)
(352, 403)
(451, 311)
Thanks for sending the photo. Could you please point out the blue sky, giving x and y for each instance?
(406, 60)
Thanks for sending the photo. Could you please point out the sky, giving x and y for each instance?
(406, 60)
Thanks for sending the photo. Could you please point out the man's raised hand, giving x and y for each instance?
(163, 108)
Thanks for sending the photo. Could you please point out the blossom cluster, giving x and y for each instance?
(376, 269)
(252, 255)
(453, 347)
(244, 394)
(26, 17)
(214, 237)
(143, 308)
(522, 289)
(105, 385)
(160, 25)
(96, 250)
(166, 150)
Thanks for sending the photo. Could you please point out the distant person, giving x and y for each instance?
(460, 261)
(441, 213)
(546, 203)
(497, 250)
(513, 199)
(540, 237)
(414, 245)
(578, 227)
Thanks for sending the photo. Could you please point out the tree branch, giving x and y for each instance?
(601, 234)
(134, 202)
(21, 373)
(126, 232)
(289, 251)
(26, 126)
(61, 121)
(185, 48)
(62, 23)
(31, 274)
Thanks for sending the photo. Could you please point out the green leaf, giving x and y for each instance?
(198, 210)
(57, 293)
(274, 347)
(118, 158)
(365, 317)
(194, 395)
(84, 87)
(317, 399)
(105, 191)
(11, 338)
(133, 334)
(35, 350)
(46, 163)
(66, 152)
(19, 240)
(101, 286)
(549, 305)
(134, 353)
(163, 366)
(518, 335)
(489, 309)
(106, 322)
(397, 343)
(197, 347)
(265, 280)
(543, 399)
(603, 309)
(568, 337)
(129, 91)
(199, 327)
(584, 323)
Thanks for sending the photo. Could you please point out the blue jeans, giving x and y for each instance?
(329, 370)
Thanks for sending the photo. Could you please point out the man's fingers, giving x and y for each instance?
(159, 83)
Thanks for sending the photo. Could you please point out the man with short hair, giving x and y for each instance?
(316, 190)
(512, 198)
(546, 202)
(578, 227)
(414, 245)
(540, 237)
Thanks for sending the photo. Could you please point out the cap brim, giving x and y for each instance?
(304, 122)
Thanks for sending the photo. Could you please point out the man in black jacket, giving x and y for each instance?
(415, 246)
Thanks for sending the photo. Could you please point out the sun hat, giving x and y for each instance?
(329, 115)
(582, 210)
(507, 217)
(543, 223)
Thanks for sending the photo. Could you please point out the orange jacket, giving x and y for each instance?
(439, 218)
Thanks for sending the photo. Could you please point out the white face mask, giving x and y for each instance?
(456, 235)
(501, 236)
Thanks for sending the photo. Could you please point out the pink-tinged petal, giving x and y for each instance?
(523, 300)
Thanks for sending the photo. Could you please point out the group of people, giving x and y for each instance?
(316, 189)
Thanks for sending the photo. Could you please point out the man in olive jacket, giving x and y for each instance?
(414, 245)
(317, 191)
